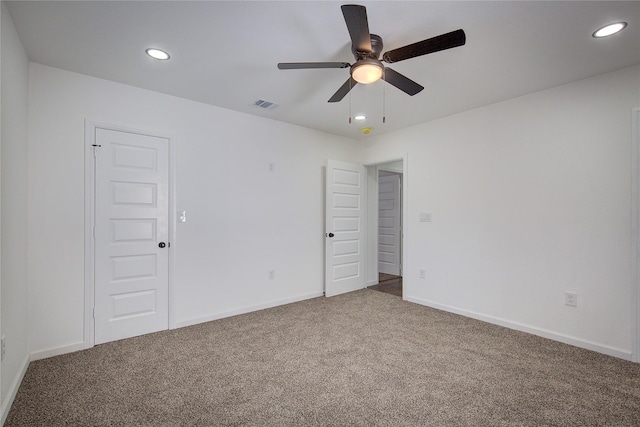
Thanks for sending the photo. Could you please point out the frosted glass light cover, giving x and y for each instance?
(366, 73)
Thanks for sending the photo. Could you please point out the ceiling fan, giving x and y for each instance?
(366, 49)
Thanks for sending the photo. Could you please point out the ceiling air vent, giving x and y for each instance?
(266, 105)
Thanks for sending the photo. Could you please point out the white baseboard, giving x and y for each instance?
(244, 310)
(81, 345)
(566, 339)
(13, 390)
(57, 351)
(15, 385)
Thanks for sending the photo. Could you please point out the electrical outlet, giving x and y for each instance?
(571, 299)
(3, 347)
(422, 273)
(271, 167)
(272, 274)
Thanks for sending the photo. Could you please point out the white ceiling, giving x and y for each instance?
(224, 53)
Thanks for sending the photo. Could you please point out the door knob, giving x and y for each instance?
(161, 245)
(331, 234)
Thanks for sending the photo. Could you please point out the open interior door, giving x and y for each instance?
(344, 227)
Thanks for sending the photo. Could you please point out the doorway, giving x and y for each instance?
(389, 223)
(352, 203)
(386, 227)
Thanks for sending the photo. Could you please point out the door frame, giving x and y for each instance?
(89, 221)
(371, 260)
(635, 234)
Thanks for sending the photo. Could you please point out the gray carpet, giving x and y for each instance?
(364, 359)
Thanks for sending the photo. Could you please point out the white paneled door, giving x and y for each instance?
(131, 234)
(389, 223)
(344, 227)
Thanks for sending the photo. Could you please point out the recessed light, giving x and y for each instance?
(157, 54)
(360, 117)
(609, 30)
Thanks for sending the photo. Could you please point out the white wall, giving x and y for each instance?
(529, 198)
(242, 220)
(14, 206)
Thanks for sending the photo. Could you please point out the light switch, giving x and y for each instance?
(183, 216)
(425, 217)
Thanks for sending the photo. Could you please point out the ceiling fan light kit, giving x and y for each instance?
(366, 49)
(367, 71)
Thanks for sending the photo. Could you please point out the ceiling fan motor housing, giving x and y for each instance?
(368, 67)
(376, 49)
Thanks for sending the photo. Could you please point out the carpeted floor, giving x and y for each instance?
(365, 359)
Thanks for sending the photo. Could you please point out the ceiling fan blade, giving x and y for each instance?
(355, 17)
(344, 89)
(403, 83)
(310, 65)
(434, 44)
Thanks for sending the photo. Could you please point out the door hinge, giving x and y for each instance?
(94, 312)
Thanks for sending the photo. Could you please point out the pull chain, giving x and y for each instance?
(384, 101)
(350, 87)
